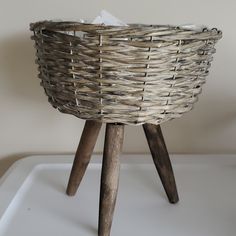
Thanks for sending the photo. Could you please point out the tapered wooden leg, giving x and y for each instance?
(110, 176)
(161, 160)
(83, 155)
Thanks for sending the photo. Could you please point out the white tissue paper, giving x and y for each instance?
(197, 28)
(106, 18)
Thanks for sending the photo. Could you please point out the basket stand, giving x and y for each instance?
(111, 166)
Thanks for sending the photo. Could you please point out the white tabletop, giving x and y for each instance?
(33, 199)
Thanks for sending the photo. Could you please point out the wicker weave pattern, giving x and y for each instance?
(132, 75)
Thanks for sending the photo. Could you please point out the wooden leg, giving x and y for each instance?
(110, 176)
(161, 160)
(83, 154)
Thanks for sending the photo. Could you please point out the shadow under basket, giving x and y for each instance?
(136, 74)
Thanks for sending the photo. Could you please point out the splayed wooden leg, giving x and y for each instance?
(161, 160)
(110, 176)
(83, 155)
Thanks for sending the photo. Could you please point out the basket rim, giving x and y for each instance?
(100, 28)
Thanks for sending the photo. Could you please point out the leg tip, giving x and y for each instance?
(70, 193)
(174, 200)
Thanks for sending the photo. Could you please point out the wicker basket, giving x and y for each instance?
(130, 74)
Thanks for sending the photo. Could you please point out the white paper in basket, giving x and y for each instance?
(106, 18)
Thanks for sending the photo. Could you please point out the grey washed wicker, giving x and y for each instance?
(132, 74)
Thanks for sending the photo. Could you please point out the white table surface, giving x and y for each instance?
(33, 199)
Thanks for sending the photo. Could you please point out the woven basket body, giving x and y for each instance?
(131, 74)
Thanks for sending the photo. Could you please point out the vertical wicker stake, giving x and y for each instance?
(110, 176)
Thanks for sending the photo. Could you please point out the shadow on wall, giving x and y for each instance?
(203, 130)
(19, 69)
(19, 82)
(6, 162)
